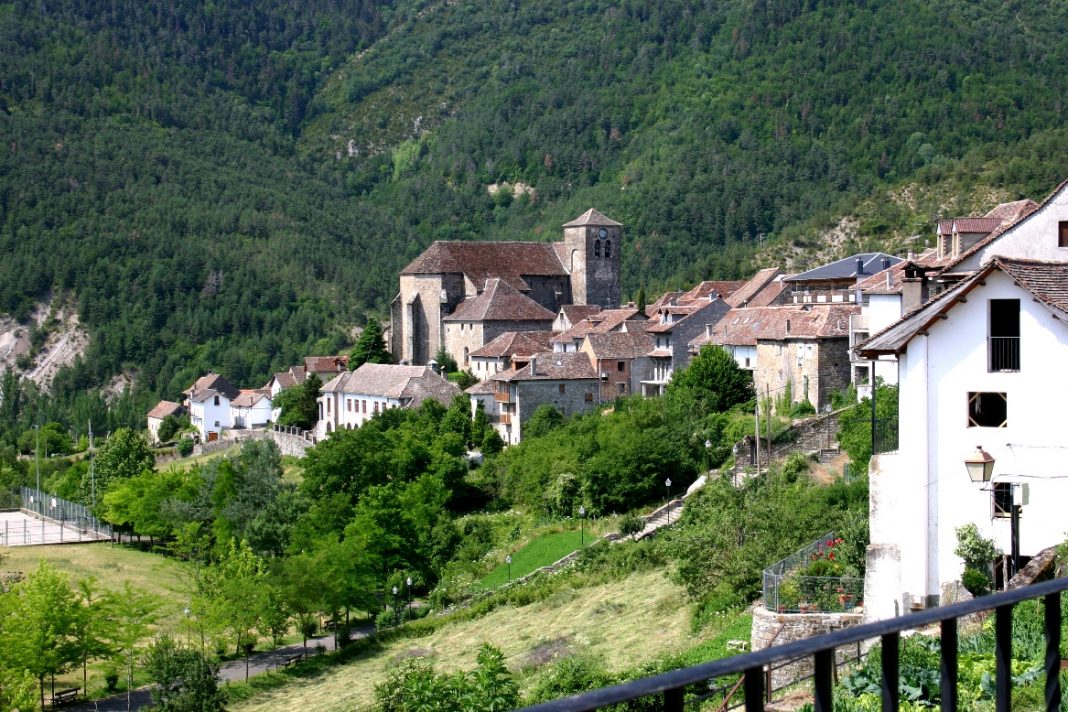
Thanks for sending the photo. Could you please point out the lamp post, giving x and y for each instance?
(508, 560)
(582, 527)
(667, 486)
(980, 467)
(395, 616)
(708, 455)
(409, 611)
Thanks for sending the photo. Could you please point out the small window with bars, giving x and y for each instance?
(988, 410)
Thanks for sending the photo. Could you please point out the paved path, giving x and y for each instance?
(232, 671)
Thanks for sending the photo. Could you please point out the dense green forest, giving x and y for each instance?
(232, 187)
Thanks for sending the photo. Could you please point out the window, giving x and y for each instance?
(596, 248)
(589, 398)
(216, 400)
(1062, 234)
(563, 387)
(1001, 498)
(988, 410)
(1003, 352)
(608, 248)
(622, 388)
(621, 366)
(348, 404)
(363, 405)
(860, 375)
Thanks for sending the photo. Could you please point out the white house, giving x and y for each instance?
(353, 397)
(208, 401)
(979, 365)
(251, 409)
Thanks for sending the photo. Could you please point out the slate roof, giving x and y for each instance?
(165, 408)
(480, 261)
(846, 268)
(499, 301)
(593, 217)
(1047, 282)
(211, 382)
(551, 367)
(878, 283)
(744, 327)
(406, 383)
(619, 345)
(522, 343)
(757, 284)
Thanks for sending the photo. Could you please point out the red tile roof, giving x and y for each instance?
(499, 301)
(984, 225)
(521, 343)
(325, 364)
(412, 384)
(551, 367)
(600, 323)
(249, 398)
(1014, 214)
(744, 295)
(744, 327)
(211, 382)
(707, 289)
(619, 345)
(480, 261)
(165, 408)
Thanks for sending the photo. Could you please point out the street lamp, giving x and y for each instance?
(395, 616)
(508, 560)
(409, 612)
(980, 466)
(708, 455)
(667, 486)
(582, 526)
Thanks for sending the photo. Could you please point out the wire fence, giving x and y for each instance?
(786, 591)
(64, 513)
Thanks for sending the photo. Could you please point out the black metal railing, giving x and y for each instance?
(1004, 353)
(885, 438)
(673, 688)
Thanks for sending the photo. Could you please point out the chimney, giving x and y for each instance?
(914, 290)
(860, 265)
(886, 262)
(533, 364)
(787, 326)
(708, 331)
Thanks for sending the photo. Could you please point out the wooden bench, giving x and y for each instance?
(294, 659)
(64, 696)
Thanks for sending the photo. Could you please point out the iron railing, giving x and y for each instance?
(1004, 353)
(671, 689)
(886, 435)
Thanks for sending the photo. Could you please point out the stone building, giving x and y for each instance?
(582, 269)
(621, 361)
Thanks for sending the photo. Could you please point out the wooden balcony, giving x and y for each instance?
(505, 419)
(502, 397)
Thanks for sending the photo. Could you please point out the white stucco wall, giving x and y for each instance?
(927, 478)
(347, 411)
(1034, 238)
(208, 417)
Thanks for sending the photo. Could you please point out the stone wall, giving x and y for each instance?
(578, 396)
(773, 629)
(820, 366)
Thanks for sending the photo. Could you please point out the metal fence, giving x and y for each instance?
(63, 512)
(672, 691)
(886, 436)
(774, 574)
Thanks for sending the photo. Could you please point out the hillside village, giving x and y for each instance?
(544, 324)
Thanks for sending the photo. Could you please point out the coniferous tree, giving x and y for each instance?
(370, 347)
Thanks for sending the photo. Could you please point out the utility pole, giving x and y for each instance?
(767, 395)
(37, 456)
(92, 473)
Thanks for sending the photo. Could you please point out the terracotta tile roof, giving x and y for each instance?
(1017, 212)
(551, 367)
(659, 353)
(602, 322)
(522, 343)
(286, 379)
(325, 364)
(767, 296)
(756, 284)
(1047, 282)
(744, 327)
(482, 388)
(499, 301)
(213, 382)
(165, 408)
(249, 398)
(480, 261)
(592, 217)
(413, 384)
(878, 283)
(619, 345)
(983, 225)
(666, 298)
(575, 313)
(846, 268)
(945, 227)
(707, 289)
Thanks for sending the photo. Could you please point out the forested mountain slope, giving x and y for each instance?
(231, 185)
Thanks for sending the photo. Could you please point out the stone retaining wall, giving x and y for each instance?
(780, 628)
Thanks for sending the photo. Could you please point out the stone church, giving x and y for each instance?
(462, 295)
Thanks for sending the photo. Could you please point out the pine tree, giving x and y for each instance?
(370, 347)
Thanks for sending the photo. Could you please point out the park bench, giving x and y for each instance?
(64, 696)
(294, 659)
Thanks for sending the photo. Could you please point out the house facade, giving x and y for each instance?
(675, 324)
(977, 367)
(155, 417)
(208, 401)
(582, 269)
(621, 361)
(501, 353)
(352, 398)
(251, 409)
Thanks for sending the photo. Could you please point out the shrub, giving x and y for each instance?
(978, 553)
(631, 524)
(185, 447)
(803, 408)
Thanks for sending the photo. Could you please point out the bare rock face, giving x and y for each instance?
(54, 338)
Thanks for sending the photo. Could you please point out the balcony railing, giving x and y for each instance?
(886, 436)
(671, 690)
(505, 419)
(502, 397)
(1004, 353)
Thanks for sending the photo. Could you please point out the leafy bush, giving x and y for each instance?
(631, 524)
(185, 447)
(978, 554)
(415, 687)
(803, 408)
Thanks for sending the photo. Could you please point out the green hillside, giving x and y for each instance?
(232, 187)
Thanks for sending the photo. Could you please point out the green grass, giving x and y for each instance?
(542, 551)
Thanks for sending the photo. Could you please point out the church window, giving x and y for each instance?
(596, 248)
(607, 248)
